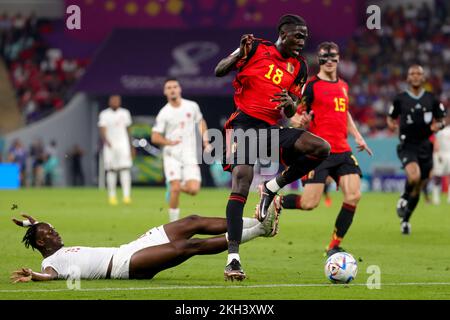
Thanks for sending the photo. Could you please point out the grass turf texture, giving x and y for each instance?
(289, 266)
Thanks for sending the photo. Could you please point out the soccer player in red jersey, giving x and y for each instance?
(326, 95)
(269, 80)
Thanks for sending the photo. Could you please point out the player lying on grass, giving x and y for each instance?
(158, 249)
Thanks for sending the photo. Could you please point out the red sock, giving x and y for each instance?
(335, 241)
(291, 201)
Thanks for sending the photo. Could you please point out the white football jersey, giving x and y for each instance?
(80, 262)
(180, 123)
(116, 124)
(443, 140)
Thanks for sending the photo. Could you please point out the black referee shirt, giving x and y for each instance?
(416, 114)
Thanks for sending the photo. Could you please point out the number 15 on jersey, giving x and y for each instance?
(340, 105)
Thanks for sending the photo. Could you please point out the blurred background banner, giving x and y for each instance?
(100, 17)
(10, 176)
(143, 58)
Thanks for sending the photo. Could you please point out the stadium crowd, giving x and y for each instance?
(40, 75)
(40, 164)
(40, 161)
(375, 63)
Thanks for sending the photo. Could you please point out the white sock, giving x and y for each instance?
(174, 214)
(111, 182)
(249, 222)
(272, 185)
(232, 256)
(436, 192)
(252, 233)
(125, 181)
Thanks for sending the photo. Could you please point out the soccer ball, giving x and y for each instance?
(341, 267)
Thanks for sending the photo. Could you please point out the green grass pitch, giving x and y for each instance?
(289, 266)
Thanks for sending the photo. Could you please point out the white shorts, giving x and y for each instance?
(175, 169)
(441, 164)
(117, 158)
(121, 259)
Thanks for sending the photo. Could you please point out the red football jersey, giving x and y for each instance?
(262, 74)
(329, 101)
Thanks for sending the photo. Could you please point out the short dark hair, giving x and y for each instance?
(29, 239)
(170, 79)
(327, 46)
(290, 19)
(415, 65)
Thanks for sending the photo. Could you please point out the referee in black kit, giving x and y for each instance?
(421, 114)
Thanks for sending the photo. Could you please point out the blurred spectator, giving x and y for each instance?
(76, 168)
(375, 62)
(38, 157)
(442, 10)
(18, 154)
(40, 74)
(347, 68)
(51, 164)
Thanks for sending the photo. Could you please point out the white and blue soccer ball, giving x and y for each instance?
(341, 267)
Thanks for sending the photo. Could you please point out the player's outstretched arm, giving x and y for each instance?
(25, 223)
(159, 140)
(227, 64)
(360, 142)
(26, 275)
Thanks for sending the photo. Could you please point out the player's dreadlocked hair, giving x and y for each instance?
(29, 239)
(290, 19)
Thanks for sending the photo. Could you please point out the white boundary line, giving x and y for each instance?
(281, 285)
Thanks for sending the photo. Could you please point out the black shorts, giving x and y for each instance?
(335, 166)
(247, 139)
(420, 152)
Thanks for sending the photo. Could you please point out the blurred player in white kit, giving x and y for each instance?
(176, 129)
(114, 123)
(441, 161)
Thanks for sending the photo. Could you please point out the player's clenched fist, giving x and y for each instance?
(246, 45)
(284, 99)
(302, 120)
